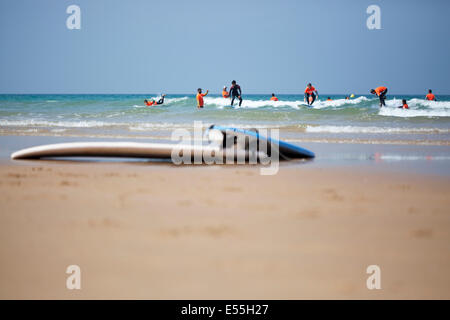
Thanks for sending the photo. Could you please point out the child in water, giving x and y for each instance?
(404, 105)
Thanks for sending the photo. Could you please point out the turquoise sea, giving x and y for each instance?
(356, 120)
(340, 132)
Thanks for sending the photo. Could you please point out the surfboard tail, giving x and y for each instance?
(286, 151)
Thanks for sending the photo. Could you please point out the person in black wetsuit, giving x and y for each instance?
(235, 92)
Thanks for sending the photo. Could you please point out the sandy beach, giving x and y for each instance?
(345, 103)
(221, 232)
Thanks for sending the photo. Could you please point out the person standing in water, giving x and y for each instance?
(200, 95)
(225, 93)
(273, 98)
(310, 92)
(381, 93)
(430, 96)
(235, 92)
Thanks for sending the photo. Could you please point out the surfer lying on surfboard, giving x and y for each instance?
(153, 102)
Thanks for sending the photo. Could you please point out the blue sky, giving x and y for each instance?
(176, 46)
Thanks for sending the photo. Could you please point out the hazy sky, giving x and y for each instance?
(175, 46)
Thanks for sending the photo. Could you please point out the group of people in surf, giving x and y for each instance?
(311, 94)
(235, 93)
(382, 91)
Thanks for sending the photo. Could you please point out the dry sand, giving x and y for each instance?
(162, 232)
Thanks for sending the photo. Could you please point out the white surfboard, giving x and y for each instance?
(218, 145)
(108, 149)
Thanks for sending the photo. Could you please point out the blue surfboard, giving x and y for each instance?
(286, 150)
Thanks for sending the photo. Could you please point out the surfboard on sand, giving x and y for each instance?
(164, 150)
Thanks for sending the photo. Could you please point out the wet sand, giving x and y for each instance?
(221, 232)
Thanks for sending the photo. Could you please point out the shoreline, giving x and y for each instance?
(380, 157)
(287, 135)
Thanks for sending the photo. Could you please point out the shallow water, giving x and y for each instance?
(425, 159)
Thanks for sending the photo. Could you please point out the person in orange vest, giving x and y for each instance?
(225, 93)
(273, 98)
(153, 102)
(329, 99)
(404, 105)
(430, 96)
(309, 92)
(381, 93)
(200, 95)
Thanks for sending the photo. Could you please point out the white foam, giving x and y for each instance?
(45, 123)
(158, 126)
(358, 129)
(222, 102)
(417, 108)
(395, 157)
(189, 126)
(318, 104)
(174, 100)
(144, 126)
(428, 104)
(408, 113)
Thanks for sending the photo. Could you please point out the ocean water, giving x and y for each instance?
(358, 120)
